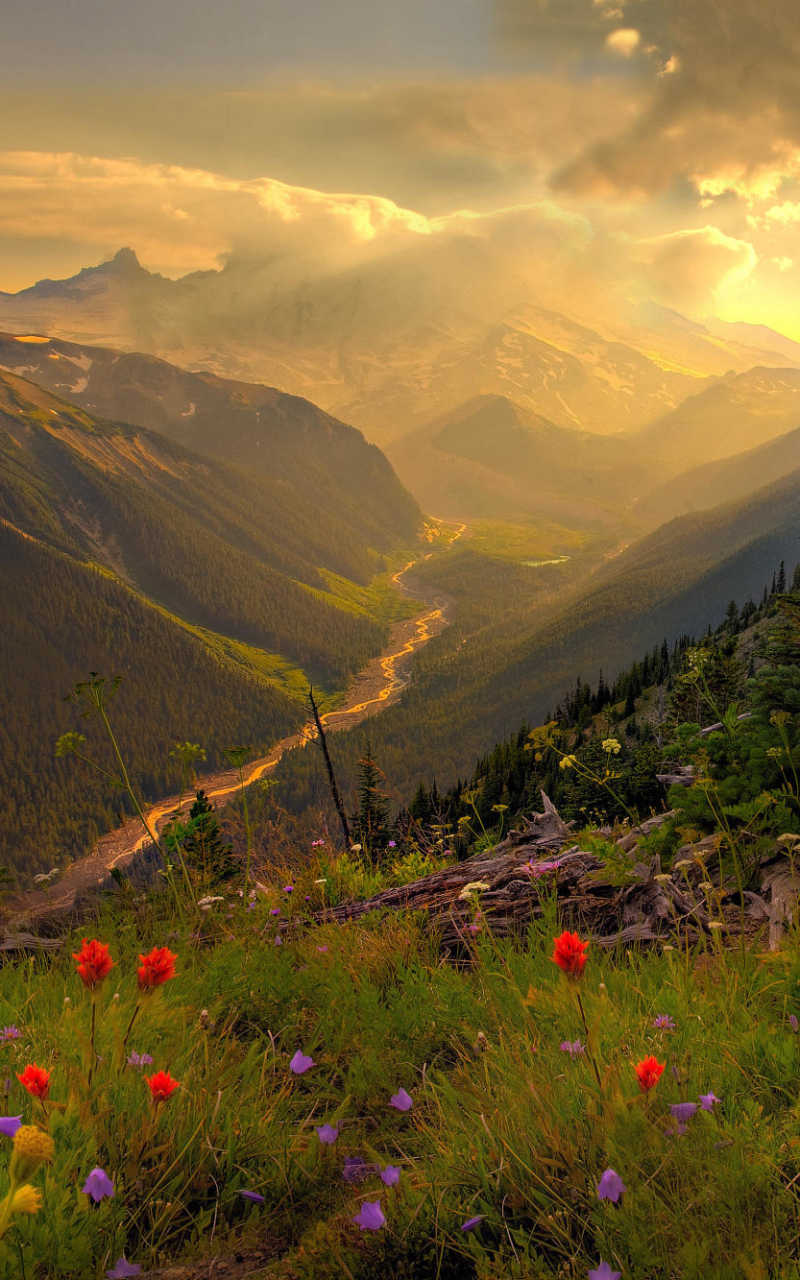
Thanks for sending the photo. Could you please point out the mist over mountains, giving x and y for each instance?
(399, 339)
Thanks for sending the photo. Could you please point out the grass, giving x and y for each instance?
(504, 1124)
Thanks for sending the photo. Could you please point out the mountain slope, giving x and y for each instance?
(492, 458)
(724, 481)
(736, 414)
(239, 555)
(281, 437)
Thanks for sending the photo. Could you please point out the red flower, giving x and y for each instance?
(36, 1080)
(648, 1072)
(93, 962)
(156, 968)
(162, 1085)
(569, 954)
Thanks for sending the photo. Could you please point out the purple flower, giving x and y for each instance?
(610, 1187)
(252, 1195)
(683, 1111)
(390, 1175)
(327, 1134)
(664, 1022)
(793, 1023)
(392, 844)
(322, 949)
(308, 897)
(9, 1033)
(401, 1100)
(370, 1218)
(139, 1059)
(473, 928)
(279, 941)
(317, 844)
(471, 1223)
(301, 1062)
(707, 1101)
(98, 1185)
(123, 1269)
(604, 1272)
(276, 911)
(573, 1049)
(288, 888)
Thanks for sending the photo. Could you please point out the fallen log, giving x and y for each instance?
(618, 901)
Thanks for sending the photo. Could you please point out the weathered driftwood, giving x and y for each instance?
(519, 876)
(680, 775)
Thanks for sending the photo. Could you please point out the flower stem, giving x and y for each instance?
(589, 1049)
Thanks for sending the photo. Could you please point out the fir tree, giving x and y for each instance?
(372, 819)
(203, 847)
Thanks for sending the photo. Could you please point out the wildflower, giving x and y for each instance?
(716, 924)
(205, 904)
(568, 762)
(473, 928)
(707, 1101)
(679, 1129)
(683, 1111)
(322, 949)
(26, 1200)
(401, 1100)
(162, 1086)
(9, 1033)
(664, 1022)
(306, 899)
(98, 1185)
(32, 1148)
(648, 1073)
(10, 1124)
(317, 844)
(663, 878)
(472, 1223)
(156, 968)
(279, 941)
(573, 1049)
(793, 1023)
(604, 1272)
(36, 1080)
(474, 886)
(569, 954)
(355, 848)
(324, 880)
(706, 885)
(610, 1187)
(612, 746)
(392, 844)
(123, 1270)
(327, 1134)
(139, 1059)
(370, 1218)
(288, 888)
(390, 1175)
(252, 1195)
(276, 911)
(537, 869)
(301, 1062)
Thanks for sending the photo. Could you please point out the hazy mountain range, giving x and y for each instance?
(395, 342)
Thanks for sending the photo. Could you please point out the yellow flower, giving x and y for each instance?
(32, 1147)
(474, 886)
(26, 1200)
(567, 762)
(611, 744)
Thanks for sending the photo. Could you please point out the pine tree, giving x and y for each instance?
(782, 578)
(203, 847)
(372, 819)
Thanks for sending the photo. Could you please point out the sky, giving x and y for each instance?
(665, 134)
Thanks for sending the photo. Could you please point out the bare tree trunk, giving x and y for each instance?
(337, 798)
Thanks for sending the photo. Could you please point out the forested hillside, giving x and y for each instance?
(326, 467)
(513, 648)
(216, 594)
(63, 618)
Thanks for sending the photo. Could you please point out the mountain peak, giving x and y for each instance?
(124, 260)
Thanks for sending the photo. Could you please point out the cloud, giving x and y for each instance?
(691, 268)
(625, 41)
(726, 117)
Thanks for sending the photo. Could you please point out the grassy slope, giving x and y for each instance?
(504, 1125)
